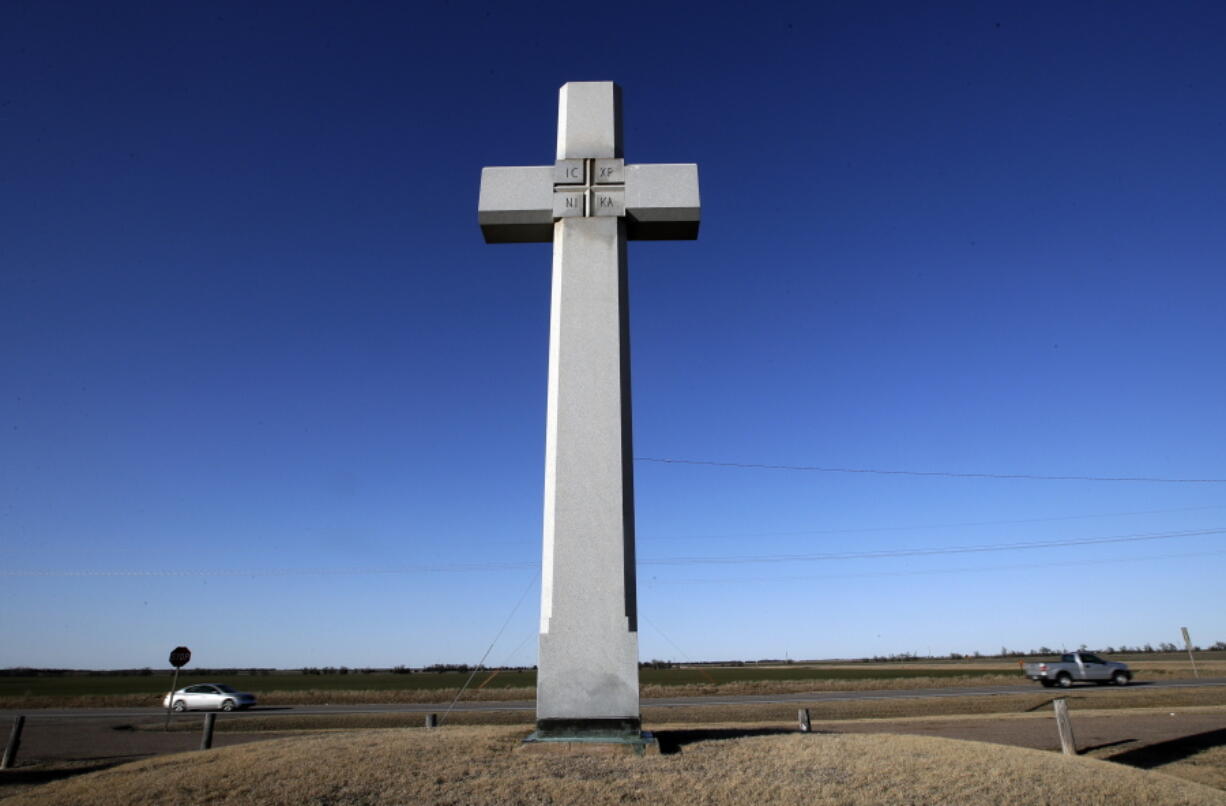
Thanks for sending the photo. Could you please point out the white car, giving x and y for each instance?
(208, 697)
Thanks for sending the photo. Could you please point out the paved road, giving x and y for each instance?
(658, 702)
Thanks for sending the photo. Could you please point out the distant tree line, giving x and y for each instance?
(1005, 652)
(402, 669)
(901, 657)
(27, 671)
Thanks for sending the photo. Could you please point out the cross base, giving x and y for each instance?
(600, 730)
(592, 735)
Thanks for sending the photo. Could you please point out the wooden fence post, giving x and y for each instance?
(802, 716)
(1067, 743)
(431, 720)
(10, 749)
(206, 741)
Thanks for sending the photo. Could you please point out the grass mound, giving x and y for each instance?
(481, 765)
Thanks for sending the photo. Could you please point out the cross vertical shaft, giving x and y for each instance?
(587, 679)
(589, 203)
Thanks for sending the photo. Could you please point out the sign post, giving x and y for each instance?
(179, 656)
(1187, 641)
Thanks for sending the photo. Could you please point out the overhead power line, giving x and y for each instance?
(715, 560)
(266, 572)
(938, 571)
(925, 552)
(936, 473)
(917, 527)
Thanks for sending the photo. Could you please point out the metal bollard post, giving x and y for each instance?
(1067, 744)
(802, 716)
(206, 741)
(431, 720)
(10, 749)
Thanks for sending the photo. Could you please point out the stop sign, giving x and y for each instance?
(179, 656)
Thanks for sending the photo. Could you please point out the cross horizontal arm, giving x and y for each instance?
(516, 204)
(662, 203)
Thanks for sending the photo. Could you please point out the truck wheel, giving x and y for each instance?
(1063, 680)
(1121, 678)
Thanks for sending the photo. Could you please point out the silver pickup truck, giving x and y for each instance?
(1075, 666)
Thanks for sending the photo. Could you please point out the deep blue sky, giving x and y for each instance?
(264, 391)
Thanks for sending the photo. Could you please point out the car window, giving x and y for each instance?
(225, 688)
(1088, 658)
(198, 690)
(1067, 659)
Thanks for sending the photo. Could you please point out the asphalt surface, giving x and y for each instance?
(655, 702)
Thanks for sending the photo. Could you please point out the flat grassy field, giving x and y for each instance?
(282, 688)
(103, 685)
(1106, 700)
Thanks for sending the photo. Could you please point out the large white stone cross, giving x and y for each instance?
(589, 203)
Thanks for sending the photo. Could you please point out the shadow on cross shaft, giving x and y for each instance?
(671, 741)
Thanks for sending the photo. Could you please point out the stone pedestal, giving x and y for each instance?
(643, 744)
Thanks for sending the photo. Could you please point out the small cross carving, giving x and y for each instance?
(655, 202)
(589, 187)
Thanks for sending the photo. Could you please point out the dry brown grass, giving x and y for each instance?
(1207, 767)
(472, 765)
(805, 686)
(648, 691)
(991, 677)
(1175, 667)
(1183, 668)
(444, 696)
